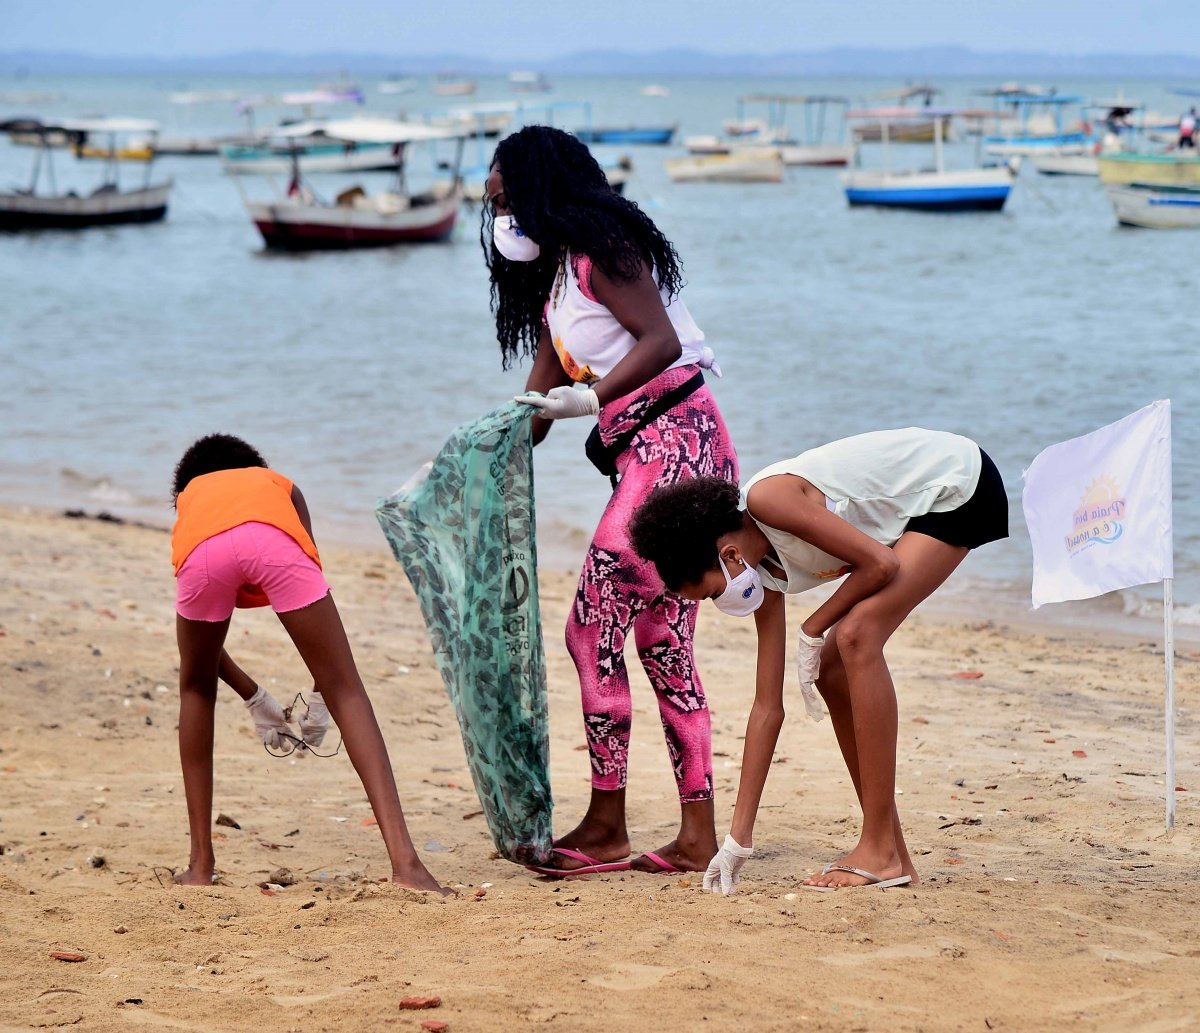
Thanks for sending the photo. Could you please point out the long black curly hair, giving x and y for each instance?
(678, 526)
(562, 201)
(211, 453)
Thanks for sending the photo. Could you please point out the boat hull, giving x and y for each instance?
(1066, 164)
(111, 208)
(831, 155)
(652, 135)
(1057, 143)
(293, 226)
(971, 190)
(731, 168)
(1155, 209)
(1168, 170)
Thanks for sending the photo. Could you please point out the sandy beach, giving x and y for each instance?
(1031, 789)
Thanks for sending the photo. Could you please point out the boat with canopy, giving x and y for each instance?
(106, 205)
(297, 219)
(813, 148)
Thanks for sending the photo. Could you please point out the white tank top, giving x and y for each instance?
(587, 336)
(876, 482)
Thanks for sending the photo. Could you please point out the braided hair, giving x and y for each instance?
(562, 200)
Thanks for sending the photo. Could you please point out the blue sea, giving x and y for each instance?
(119, 346)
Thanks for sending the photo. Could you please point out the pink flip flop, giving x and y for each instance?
(662, 865)
(590, 866)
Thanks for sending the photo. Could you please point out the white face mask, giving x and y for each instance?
(743, 594)
(511, 241)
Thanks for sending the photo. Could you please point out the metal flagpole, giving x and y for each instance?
(1169, 656)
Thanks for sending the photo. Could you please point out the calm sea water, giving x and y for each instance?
(119, 346)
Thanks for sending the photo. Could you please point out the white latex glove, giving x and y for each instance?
(563, 402)
(809, 667)
(315, 722)
(722, 875)
(268, 717)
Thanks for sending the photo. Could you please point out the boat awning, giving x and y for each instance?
(368, 130)
(902, 114)
(793, 98)
(105, 125)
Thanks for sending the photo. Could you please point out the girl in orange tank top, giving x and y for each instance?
(243, 537)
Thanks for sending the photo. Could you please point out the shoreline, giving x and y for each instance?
(1100, 619)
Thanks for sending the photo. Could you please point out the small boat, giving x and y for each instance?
(299, 221)
(1040, 124)
(811, 149)
(395, 84)
(447, 85)
(107, 205)
(1160, 208)
(315, 153)
(528, 82)
(907, 123)
(1170, 169)
(617, 171)
(983, 189)
(751, 165)
(655, 90)
(659, 135)
(1056, 164)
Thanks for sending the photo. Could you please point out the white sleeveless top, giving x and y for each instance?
(587, 336)
(876, 482)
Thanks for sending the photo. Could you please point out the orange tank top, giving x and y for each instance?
(216, 502)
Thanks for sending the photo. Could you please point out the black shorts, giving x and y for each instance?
(981, 519)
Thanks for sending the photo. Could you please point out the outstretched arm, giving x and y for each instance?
(766, 715)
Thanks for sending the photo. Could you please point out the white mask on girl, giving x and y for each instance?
(743, 594)
(511, 241)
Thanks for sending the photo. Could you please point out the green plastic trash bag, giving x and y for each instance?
(463, 529)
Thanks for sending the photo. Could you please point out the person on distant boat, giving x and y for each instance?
(896, 511)
(242, 537)
(585, 284)
(1187, 129)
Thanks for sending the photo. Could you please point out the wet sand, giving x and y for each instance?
(1032, 798)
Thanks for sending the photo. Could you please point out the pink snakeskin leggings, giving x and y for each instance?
(618, 590)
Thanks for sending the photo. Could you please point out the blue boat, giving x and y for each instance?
(660, 135)
(983, 189)
(1026, 105)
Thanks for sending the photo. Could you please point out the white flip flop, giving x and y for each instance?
(874, 882)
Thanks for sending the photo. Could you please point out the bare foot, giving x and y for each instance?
(420, 878)
(686, 857)
(885, 866)
(195, 875)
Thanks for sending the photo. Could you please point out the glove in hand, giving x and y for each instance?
(723, 872)
(561, 403)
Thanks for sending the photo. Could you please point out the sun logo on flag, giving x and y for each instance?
(1100, 518)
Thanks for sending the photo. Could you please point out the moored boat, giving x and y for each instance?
(107, 205)
(1170, 169)
(1156, 208)
(300, 221)
(657, 135)
(750, 165)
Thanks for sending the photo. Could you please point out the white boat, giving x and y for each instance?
(938, 190)
(1156, 207)
(655, 90)
(298, 220)
(107, 205)
(1056, 164)
(752, 165)
(528, 82)
(396, 85)
(446, 85)
(305, 142)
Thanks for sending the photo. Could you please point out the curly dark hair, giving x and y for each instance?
(211, 453)
(563, 201)
(678, 526)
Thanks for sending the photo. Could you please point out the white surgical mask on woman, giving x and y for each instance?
(511, 241)
(743, 594)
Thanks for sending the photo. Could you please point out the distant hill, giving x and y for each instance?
(857, 61)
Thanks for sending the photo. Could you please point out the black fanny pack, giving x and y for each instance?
(604, 457)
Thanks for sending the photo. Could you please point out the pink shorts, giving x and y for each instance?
(249, 554)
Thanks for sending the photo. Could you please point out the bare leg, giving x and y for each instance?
(601, 834)
(835, 691)
(695, 845)
(200, 651)
(321, 640)
(870, 737)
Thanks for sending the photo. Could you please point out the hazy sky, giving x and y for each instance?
(527, 29)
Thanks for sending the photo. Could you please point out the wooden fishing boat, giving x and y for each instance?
(106, 205)
(1162, 208)
(749, 165)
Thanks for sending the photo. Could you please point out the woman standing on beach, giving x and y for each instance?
(896, 511)
(586, 284)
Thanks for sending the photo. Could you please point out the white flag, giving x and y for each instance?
(1099, 509)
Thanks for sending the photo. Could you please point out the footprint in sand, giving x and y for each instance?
(629, 976)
